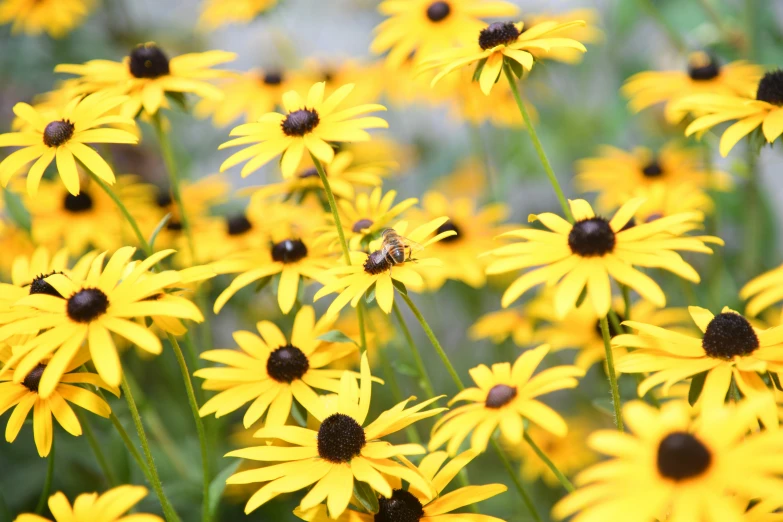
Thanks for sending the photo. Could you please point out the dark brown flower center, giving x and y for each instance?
(340, 439)
(498, 33)
(771, 88)
(163, 199)
(702, 66)
(273, 78)
(448, 226)
(682, 456)
(82, 202)
(174, 225)
(57, 133)
(438, 11)
(87, 304)
(148, 61)
(402, 506)
(361, 225)
(729, 335)
(238, 225)
(653, 170)
(289, 251)
(300, 122)
(40, 286)
(287, 364)
(500, 395)
(591, 237)
(33, 379)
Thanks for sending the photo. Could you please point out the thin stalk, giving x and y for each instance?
(333, 207)
(47, 488)
(362, 333)
(96, 448)
(618, 414)
(193, 356)
(626, 301)
(168, 510)
(424, 378)
(517, 482)
(551, 465)
(537, 145)
(615, 321)
(206, 514)
(131, 447)
(124, 210)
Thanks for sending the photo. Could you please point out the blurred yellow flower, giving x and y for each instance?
(55, 17)
(91, 507)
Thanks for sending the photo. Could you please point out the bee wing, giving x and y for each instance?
(412, 245)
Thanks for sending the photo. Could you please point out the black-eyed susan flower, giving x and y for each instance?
(105, 302)
(216, 13)
(55, 17)
(376, 270)
(618, 176)
(147, 75)
(14, 241)
(594, 250)
(379, 332)
(662, 201)
(420, 27)
(504, 396)
(763, 291)
(271, 370)
(672, 467)
(500, 325)
(23, 396)
(340, 451)
(369, 78)
(499, 42)
(91, 507)
(63, 137)
(728, 347)
(587, 33)
(413, 505)
(499, 107)
(704, 75)
(311, 124)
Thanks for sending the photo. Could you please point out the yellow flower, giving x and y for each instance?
(340, 450)
(420, 27)
(705, 75)
(617, 176)
(23, 396)
(369, 78)
(672, 467)
(56, 17)
(216, 13)
(587, 33)
(503, 41)
(91, 507)
(498, 107)
(763, 291)
(376, 271)
(14, 241)
(272, 371)
(413, 504)
(503, 324)
(92, 309)
(307, 124)
(505, 396)
(593, 251)
(63, 137)
(661, 200)
(729, 347)
(379, 332)
(147, 75)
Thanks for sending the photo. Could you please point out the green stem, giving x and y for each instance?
(362, 333)
(96, 448)
(424, 378)
(626, 301)
(537, 145)
(206, 514)
(193, 356)
(673, 35)
(168, 510)
(47, 482)
(131, 447)
(124, 210)
(551, 465)
(517, 482)
(333, 207)
(618, 414)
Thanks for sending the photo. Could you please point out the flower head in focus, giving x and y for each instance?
(91, 507)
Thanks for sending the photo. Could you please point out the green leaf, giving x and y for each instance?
(756, 140)
(369, 296)
(161, 225)
(697, 384)
(400, 286)
(218, 485)
(479, 68)
(581, 297)
(262, 283)
(299, 415)
(515, 66)
(17, 210)
(179, 99)
(335, 336)
(366, 496)
(775, 380)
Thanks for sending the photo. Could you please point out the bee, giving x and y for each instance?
(394, 250)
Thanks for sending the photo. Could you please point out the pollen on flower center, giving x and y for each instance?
(273, 78)
(591, 237)
(448, 226)
(340, 439)
(729, 335)
(57, 133)
(402, 506)
(289, 251)
(498, 33)
(682, 456)
(500, 395)
(361, 225)
(771, 88)
(148, 61)
(40, 286)
(238, 225)
(82, 202)
(438, 11)
(33, 379)
(653, 170)
(300, 122)
(702, 66)
(287, 364)
(87, 304)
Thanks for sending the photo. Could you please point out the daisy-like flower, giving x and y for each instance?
(217, 13)
(378, 270)
(420, 27)
(92, 309)
(728, 347)
(413, 505)
(271, 371)
(498, 108)
(661, 200)
(672, 467)
(505, 395)
(340, 450)
(147, 75)
(617, 176)
(56, 17)
(307, 124)
(219, 237)
(705, 75)
(23, 396)
(503, 41)
(64, 137)
(369, 78)
(763, 291)
(587, 33)
(594, 250)
(91, 507)
(14, 241)
(500, 325)
(765, 110)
